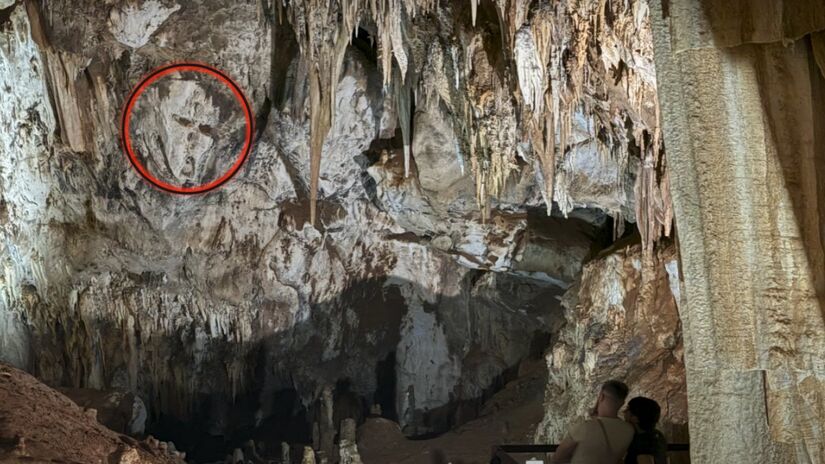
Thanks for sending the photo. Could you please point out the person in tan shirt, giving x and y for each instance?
(602, 439)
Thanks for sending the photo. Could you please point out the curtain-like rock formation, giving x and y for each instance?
(742, 99)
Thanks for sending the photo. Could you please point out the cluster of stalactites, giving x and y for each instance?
(592, 57)
(323, 30)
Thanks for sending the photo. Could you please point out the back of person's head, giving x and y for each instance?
(646, 410)
(616, 390)
(611, 398)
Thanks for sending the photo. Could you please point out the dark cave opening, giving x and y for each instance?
(508, 306)
(386, 387)
(221, 426)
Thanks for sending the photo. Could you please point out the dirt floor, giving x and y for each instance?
(510, 416)
(39, 424)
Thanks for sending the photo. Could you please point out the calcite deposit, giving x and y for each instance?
(749, 87)
(621, 323)
(437, 194)
(446, 262)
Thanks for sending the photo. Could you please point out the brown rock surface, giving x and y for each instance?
(38, 424)
(621, 324)
(742, 105)
(120, 411)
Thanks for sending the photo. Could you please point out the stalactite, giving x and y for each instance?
(323, 41)
(401, 92)
(559, 74)
(323, 32)
(612, 88)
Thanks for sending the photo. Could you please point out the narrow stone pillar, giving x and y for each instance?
(285, 453)
(309, 456)
(347, 446)
(348, 428)
(327, 424)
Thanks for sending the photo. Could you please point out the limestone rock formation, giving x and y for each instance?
(426, 181)
(510, 416)
(348, 448)
(749, 87)
(622, 323)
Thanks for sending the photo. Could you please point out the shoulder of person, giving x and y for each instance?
(618, 422)
(623, 427)
(578, 426)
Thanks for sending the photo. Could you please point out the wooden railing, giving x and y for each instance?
(501, 453)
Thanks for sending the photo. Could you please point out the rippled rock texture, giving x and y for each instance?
(754, 275)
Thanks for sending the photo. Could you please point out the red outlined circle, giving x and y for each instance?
(149, 80)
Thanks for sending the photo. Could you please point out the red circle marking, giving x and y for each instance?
(149, 80)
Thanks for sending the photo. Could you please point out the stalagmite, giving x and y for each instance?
(285, 457)
(309, 456)
(327, 424)
(348, 449)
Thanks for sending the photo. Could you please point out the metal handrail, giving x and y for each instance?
(500, 452)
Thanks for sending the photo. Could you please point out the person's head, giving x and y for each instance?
(611, 398)
(643, 413)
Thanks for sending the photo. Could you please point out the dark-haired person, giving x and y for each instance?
(604, 438)
(649, 445)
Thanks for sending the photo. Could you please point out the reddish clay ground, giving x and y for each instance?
(38, 424)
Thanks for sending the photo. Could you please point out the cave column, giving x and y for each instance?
(742, 114)
(327, 426)
(348, 447)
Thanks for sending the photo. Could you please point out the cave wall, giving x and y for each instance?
(427, 192)
(110, 283)
(620, 323)
(742, 104)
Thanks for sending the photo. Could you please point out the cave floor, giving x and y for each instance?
(510, 416)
